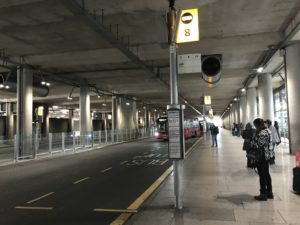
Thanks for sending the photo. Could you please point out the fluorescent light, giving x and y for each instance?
(260, 69)
(104, 104)
(69, 98)
(7, 86)
(1, 85)
(243, 89)
(98, 96)
(127, 103)
(43, 82)
(235, 99)
(48, 84)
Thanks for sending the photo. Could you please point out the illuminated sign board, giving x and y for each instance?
(188, 27)
(207, 100)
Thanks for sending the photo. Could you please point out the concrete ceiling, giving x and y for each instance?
(50, 35)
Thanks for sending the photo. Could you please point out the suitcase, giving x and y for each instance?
(296, 179)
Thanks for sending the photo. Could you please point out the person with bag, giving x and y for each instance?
(260, 145)
(214, 130)
(248, 134)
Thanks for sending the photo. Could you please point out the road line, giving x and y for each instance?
(116, 210)
(38, 198)
(189, 151)
(103, 171)
(81, 180)
(33, 208)
(140, 200)
(123, 162)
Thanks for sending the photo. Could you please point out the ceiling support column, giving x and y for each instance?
(9, 120)
(243, 109)
(147, 116)
(292, 59)
(85, 112)
(24, 146)
(265, 97)
(251, 105)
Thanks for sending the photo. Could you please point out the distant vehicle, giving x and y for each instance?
(191, 128)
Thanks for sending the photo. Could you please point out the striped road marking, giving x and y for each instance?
(81, 180)
(38, 198)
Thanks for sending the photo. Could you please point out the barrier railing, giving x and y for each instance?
(58, 143)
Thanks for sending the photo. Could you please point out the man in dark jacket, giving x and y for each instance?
(214, 130)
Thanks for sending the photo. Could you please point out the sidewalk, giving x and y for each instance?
(219, 190)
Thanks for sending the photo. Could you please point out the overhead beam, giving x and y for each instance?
(89, 19)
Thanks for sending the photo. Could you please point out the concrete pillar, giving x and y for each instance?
(147, 116)
(124, 113)
(114, 115)
(237, 112)
(265, 97)
(45, 124)
(85, 112)
(9, 121)
(292, 59)
(24, 112)
(70, 120)
(251, 105)
(243, 109)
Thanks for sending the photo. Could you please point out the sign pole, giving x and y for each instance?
(177, 163)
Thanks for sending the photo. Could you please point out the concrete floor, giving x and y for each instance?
(219, 190)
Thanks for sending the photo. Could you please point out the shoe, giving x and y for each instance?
(261, 197)
(270, 195)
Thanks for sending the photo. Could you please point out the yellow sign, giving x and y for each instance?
(207, 100)
(188, 27)
(40, 111)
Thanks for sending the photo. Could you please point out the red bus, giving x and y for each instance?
(191, 128)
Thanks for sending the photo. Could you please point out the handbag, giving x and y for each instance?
(254, 156)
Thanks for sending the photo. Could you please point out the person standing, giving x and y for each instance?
(248, 134)
(261, 143)
(214, 130)
(277, 129)
(274, 139)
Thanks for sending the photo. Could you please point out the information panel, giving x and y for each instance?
(175, 128)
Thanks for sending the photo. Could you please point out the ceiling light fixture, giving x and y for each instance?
(1, 85)
(243, 89)
(260, 69)
(70, 95)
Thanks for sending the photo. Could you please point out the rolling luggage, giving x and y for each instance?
(296, 179)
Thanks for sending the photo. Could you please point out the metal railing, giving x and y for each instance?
(60, 143)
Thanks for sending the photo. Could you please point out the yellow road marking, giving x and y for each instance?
(34, 208)
(140, 200)
(43, 196)
(121, 219)
(103, 171)
(116, 210)
(189, 151)
(76, 182)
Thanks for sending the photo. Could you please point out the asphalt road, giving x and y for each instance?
(66, 190)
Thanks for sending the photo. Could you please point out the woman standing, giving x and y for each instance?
(261, 143)
(248, 134)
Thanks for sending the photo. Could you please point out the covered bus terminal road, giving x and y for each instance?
(81, 75)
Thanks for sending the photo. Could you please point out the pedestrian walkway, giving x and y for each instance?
(219, 190)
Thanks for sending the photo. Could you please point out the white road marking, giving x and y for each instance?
(81, 180)
(123, 162)
(103, 171)
(34, 208)
(43, 196)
